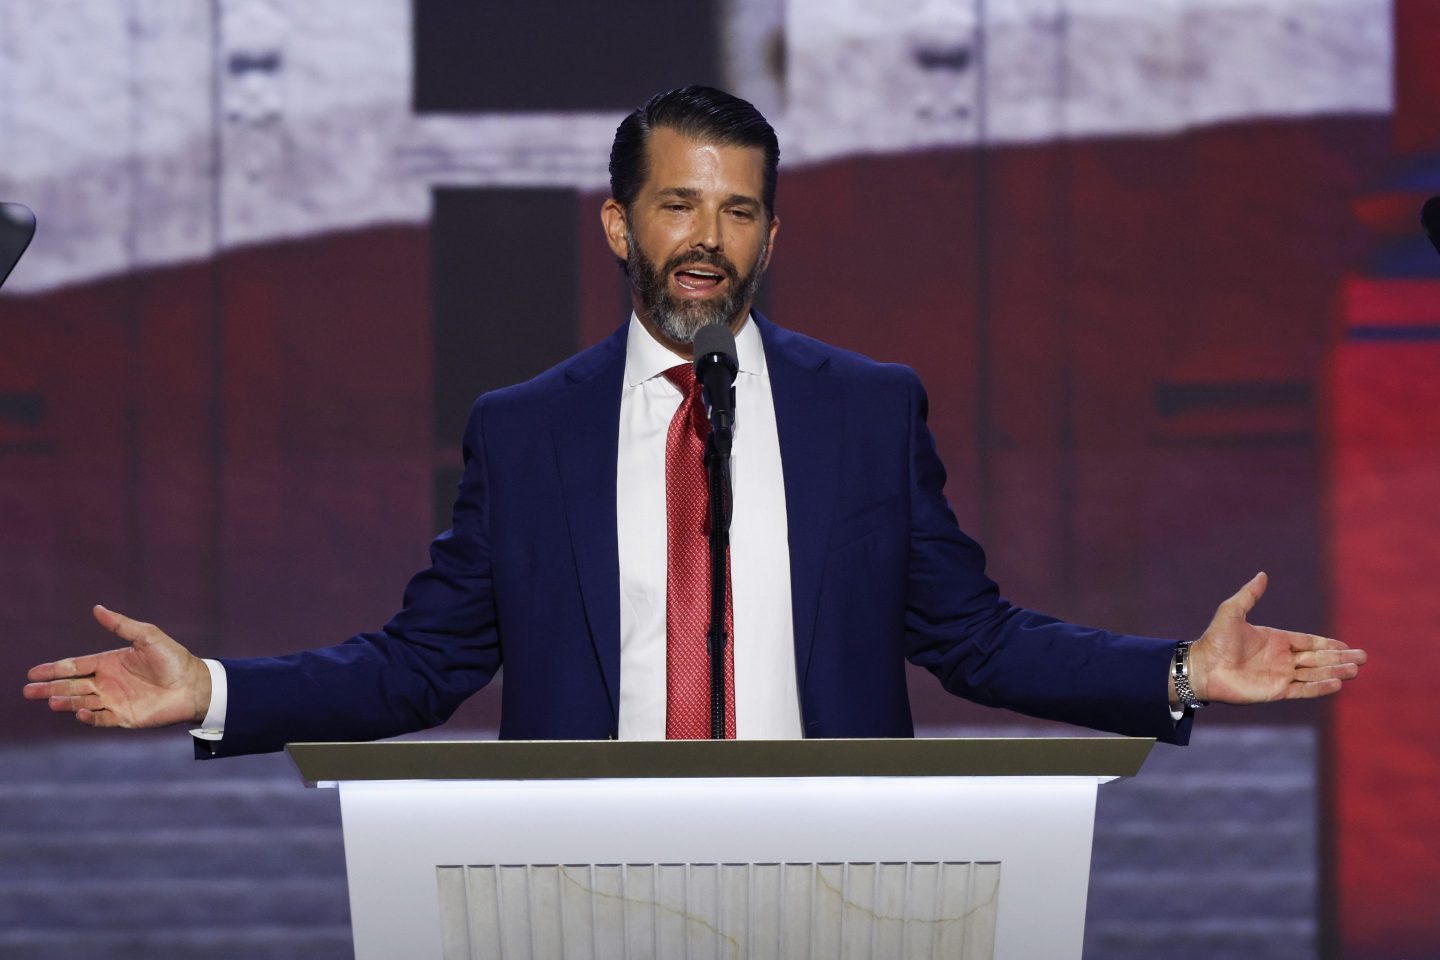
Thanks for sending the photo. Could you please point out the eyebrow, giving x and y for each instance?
(690, 193)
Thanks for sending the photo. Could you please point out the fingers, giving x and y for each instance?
(75, 704)
(89, 708)
(43, 677)
(1322, 672)
(60, 669)
(1311, 641)
(1327, 660)
(1245, 599)
(1342, 671)
(132, 631)
(1320, 658)
(1322, 665)
(1309, 691)
(97, 718)
(60, 688)
(1330, 657)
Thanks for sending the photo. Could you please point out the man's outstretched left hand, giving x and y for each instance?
(1238, 662)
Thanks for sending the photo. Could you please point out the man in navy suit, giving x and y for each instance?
(847, 559)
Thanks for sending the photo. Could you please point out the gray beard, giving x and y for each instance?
(679, 319)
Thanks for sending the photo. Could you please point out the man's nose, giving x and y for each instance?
(707, 234)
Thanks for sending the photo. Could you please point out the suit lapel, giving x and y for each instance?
(586, 427)
(808, 419)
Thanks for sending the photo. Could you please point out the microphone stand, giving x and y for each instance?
(716, 364)
(717, 465)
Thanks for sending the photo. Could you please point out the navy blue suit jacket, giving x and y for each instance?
(528, 577)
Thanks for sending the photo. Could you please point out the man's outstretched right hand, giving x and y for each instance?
(152, 682)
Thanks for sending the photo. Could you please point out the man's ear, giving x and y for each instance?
(770, 247)
(612, 217)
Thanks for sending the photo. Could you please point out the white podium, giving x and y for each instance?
(824, 849)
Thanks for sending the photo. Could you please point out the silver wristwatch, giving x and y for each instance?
(1180, 673)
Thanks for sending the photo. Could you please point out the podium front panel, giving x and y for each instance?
(892, 867)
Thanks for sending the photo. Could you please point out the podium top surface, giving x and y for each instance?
(637, 759)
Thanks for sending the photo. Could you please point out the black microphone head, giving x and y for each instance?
(17, 226)
(1430, 220)
(714, 343)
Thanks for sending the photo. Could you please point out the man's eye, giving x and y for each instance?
(677, 207)
(742, 214)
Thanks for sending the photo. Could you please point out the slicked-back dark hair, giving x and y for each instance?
(702, 113)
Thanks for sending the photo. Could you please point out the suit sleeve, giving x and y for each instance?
(412, 674)
(982, 647)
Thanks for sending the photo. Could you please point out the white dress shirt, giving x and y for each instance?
(767, 702)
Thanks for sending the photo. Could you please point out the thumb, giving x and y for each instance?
(1245, 599)
(131, 631)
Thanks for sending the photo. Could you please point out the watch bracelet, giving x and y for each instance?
(1180, 672)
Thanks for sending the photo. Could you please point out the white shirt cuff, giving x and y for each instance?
(213, 726)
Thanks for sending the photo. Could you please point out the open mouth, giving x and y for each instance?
(698, 279)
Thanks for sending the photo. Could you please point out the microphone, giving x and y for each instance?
(17, 226)
(1430, 220)
(715, 368)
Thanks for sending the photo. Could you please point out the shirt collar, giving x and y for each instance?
(647, 358)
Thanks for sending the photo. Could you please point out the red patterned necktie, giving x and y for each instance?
(687, 591)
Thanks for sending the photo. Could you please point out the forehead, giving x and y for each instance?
(677, 160)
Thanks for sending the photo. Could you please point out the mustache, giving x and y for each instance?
(716, 260)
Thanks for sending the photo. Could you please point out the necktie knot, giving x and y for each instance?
(692, 407)
(683, 376)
